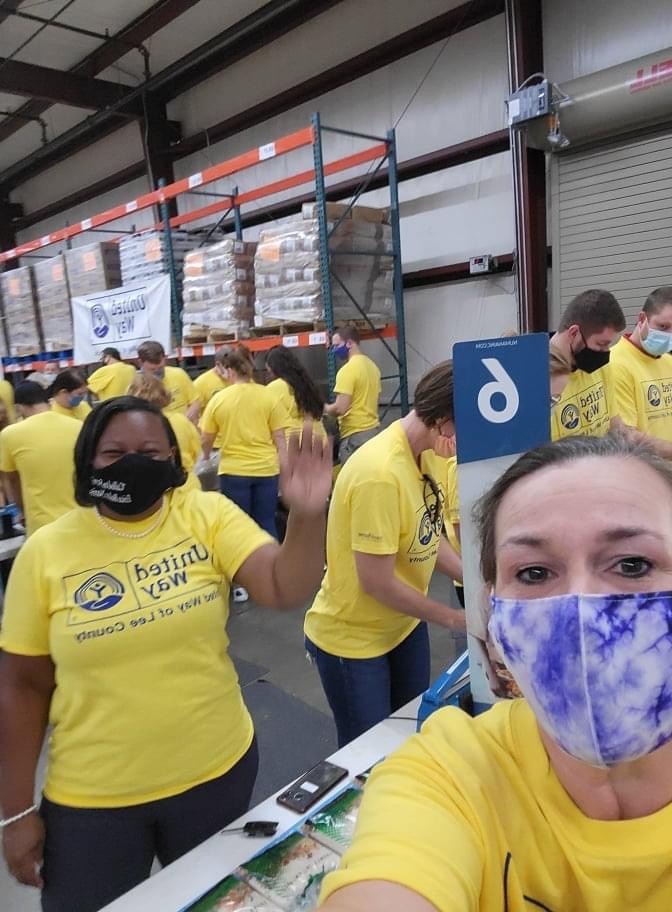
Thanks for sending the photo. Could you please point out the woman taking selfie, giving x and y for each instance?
(114, 633)
(561, 800)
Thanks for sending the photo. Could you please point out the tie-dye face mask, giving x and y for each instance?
(595, 669)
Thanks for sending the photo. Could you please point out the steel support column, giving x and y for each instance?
(9, 212)
(158, 136)
(525, 50)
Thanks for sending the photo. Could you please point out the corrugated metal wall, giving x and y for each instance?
(612, 221)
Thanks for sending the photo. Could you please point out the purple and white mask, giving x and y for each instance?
(595, 669)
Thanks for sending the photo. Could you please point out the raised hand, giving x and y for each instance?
(305, 471)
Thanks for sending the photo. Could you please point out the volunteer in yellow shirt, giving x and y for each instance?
(295, 389)
(7, 396)
(113, 378)
(151, 389)
(641, 367)
(357, 391)
(68, 395)
(179, 384)
(214, 380)
(114, 632)
(588, 328)
(249, 423)
(366, 629)
(37, 458)
(560, 800)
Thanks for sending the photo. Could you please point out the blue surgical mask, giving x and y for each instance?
(74, 401)
(341, 351)
(657, 342)
(160, 373)
(595, 669)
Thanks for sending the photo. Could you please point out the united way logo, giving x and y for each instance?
(569, 417)
(99, 593)
(653, 395)
(425, 531)
(99, 321)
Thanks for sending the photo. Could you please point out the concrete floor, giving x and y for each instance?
(275, 642)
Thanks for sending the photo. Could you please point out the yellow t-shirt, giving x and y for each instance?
(207, 384)
(189, 442)
(79, 413)
(359, 378)
(283, 393)
(181, 388)
(111, 380)
(7, 396)
(147, 701)
(586, 405)
(470, 815)
(42, 450)
(244, 417)
(643, 389)
(377, 507)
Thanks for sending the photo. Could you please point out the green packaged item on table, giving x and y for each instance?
(337, 820)
(233, 895)
(291, 872)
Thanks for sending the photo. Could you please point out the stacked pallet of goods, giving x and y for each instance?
(146, 255)
(218, 292)
(288, 276)
(20, 311)
(92, 268)
(53, 301)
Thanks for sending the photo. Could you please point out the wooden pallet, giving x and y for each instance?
(289, 328)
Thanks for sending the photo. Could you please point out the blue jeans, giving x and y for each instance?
(255, 495)
(363, 692)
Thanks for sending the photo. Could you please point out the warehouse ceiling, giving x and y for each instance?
(66, 66)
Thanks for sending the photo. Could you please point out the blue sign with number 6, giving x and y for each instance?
(502, 396)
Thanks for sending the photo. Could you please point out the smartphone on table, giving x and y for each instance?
(309, 788)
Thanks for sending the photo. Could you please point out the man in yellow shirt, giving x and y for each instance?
(588, 328)
(113, 378)
(37, 458)
(366, 630)
(357, 391)
(212, 381)
(641, 368)
(184, 398)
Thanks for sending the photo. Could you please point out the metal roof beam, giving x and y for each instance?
(140, 29)
(32, 81)
(257, 30)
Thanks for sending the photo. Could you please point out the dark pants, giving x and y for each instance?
(255, 495)
(363, 692)
(92, 856)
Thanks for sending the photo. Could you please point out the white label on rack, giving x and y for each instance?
(11, 253)
(208, 349)
(186, 352)
(195, 180)
(45, 241)
(86, 224)
(317, 338)
(267, 151)
(132, 206)
(290, 341)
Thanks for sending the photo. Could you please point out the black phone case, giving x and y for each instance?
(298, 799)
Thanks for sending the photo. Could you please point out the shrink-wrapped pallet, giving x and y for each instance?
(53, 303)
(218, 291)
(146, 255)
(21, 323)
(288, 273)
(92, 268)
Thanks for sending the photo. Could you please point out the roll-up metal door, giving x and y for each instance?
(612, 221)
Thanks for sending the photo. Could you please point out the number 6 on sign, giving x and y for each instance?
(502, 384)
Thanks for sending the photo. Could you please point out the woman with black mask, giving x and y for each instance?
(115, 632)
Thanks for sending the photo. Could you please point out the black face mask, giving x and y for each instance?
(589, 360)
(131, 485)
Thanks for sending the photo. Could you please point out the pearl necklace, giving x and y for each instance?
(155, 525)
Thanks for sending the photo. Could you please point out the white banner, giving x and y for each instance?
(122, 318)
